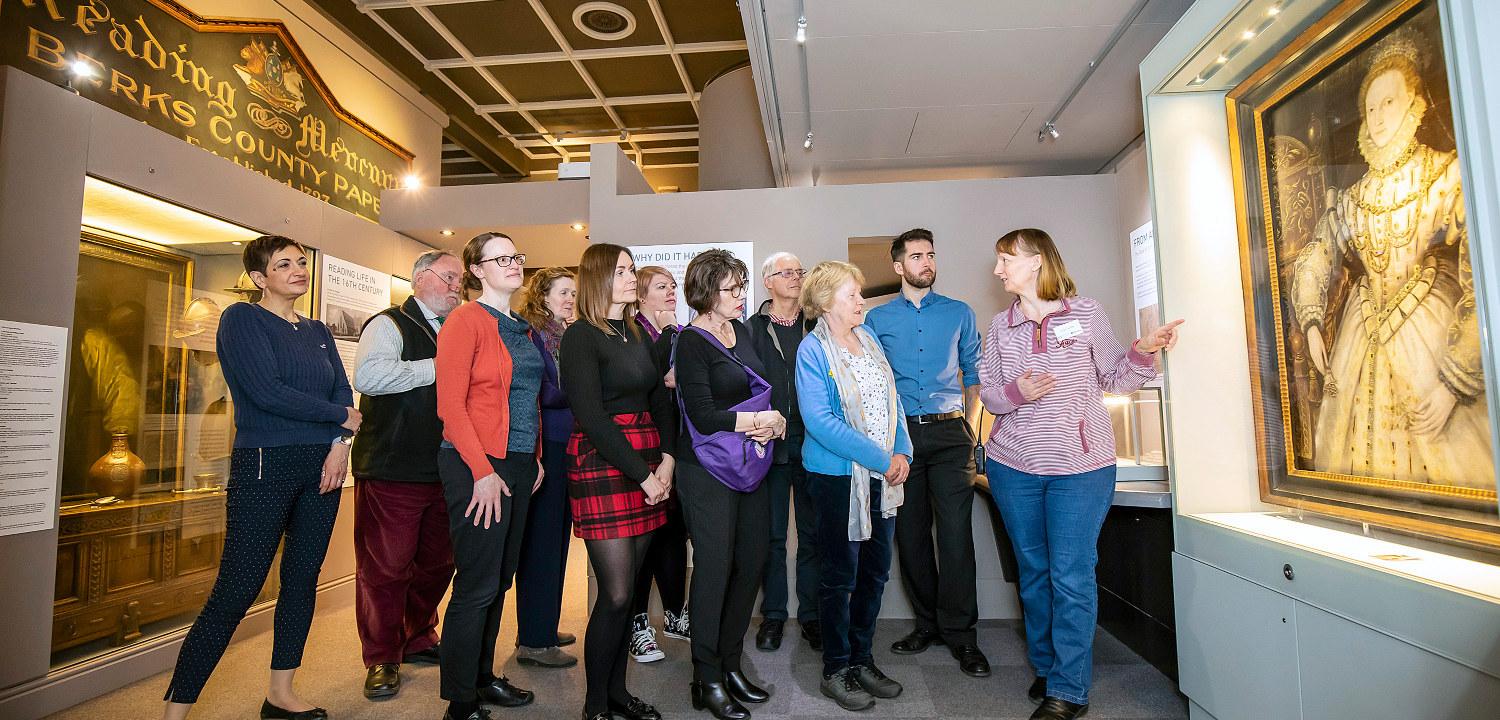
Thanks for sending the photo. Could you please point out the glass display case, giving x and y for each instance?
(1140, 442)
(149, 424)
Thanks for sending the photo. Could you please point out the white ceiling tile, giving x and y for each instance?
(947, 69)
(854, 133)
(833, 18)
(959, 130)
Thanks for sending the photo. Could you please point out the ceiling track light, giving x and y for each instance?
(1049, 129)
(807, 142)
(801, 30)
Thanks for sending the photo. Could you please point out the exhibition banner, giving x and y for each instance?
(675, 259)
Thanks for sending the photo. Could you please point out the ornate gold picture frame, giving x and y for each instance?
(1366, 372)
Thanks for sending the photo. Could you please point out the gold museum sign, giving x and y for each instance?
(240, 89)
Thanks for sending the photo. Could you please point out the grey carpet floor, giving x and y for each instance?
(1125, 687)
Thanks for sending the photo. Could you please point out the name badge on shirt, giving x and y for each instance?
(1068, 330)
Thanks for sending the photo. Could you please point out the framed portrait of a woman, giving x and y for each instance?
(1370, 391)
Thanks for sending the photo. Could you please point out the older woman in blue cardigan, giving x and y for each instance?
(856, 454)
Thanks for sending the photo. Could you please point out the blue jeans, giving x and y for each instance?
(852, 573)
(1054, 523)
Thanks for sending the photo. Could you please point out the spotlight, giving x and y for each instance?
(447, 233)
(1274, 10)
(1048, 130)
(1222, 59)
(1248, 35)
(807, 142)
(236, 243)
(81, 70)
(801, 30)
(577, 226)
(624, 135)
(412, 182)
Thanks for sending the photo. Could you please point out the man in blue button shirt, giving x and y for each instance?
(933, 346)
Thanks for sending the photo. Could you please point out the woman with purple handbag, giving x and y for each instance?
(726, 409)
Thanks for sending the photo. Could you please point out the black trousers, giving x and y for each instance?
(731, 532)
(273, 493)
(484, 563)
(940, 491)
(544, 553)
(788, 484)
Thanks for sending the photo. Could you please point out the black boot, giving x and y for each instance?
(714, 698)
(742, 689)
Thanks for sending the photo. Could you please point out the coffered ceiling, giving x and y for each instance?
(530, 83)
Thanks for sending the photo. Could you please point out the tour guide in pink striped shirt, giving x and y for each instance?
(1051, 456)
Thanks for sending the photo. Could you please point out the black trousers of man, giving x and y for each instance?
(939, 581)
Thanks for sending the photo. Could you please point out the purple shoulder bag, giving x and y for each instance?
(731, 457)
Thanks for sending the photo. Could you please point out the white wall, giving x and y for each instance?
(966, 217)
(361, 82)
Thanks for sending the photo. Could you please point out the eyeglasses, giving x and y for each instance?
(734, 292)
(789, 274)
(448, 278)
(505, 260)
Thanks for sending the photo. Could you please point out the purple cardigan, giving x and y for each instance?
(557, 416)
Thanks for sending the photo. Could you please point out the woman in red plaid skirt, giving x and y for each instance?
(619, 463)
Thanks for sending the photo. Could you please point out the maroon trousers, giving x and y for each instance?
(403, 561)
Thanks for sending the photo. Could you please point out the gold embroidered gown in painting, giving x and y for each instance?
(1407, 329)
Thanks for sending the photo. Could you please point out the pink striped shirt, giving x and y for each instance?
(1067, 431)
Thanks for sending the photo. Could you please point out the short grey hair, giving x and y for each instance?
(769, 266)
(426, 259)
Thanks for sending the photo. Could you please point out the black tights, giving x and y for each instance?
(666, 563)
(606, 642)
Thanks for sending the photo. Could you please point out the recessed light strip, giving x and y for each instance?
(1259, 24)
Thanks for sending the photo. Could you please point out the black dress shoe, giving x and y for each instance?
(479, 714)
(382, 681)
(636, 709)
(606, 715)
(743, 690)
(1059, 709)
(875, 682)
(916, 641)
(271, 712)
(1038, 690)
(812, 632)
(768, 638)
(566, 639)
(715, 698)
(430, 656)
(500, 692)
(971, 661)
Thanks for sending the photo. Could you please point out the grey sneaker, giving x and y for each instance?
(676, 625)
(845, 690)
(547, 657)
(875, 682)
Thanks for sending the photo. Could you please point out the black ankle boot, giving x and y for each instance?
(714, 698)
(742, 689)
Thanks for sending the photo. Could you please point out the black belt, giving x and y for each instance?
(935, 417)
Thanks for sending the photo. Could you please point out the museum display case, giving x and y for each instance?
(149, 422)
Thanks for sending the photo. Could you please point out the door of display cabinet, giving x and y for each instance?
(146, 451)
(1371, 395)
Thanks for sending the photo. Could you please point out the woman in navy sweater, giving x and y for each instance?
(294, 418)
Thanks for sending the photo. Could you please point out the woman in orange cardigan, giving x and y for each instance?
(489, 376)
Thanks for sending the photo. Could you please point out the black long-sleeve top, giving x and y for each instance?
(607, 375)
(710, 383)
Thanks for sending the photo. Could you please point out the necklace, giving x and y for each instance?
(295, 323)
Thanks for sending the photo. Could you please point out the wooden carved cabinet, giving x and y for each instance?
(140, 561)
